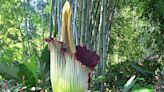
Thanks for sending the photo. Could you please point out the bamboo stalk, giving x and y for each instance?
(99, 39)
(74, 6)
(58, 17)
(50, 20)
(54, 17)
(90, 23)
(73, 10)
(96, 27)
(86, 22)
(103, 43)
(113, 4)
(83, 21)
(79, 22)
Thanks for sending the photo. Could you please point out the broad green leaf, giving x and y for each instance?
(9, 71)
(129, 84)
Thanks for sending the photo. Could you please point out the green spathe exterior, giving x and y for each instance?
(67, 74)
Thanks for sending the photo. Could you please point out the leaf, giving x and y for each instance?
(45, 57)
(9, 71)
(129, 84)
(24, 71)
(100, 78)
(140, 69)
(138, 88)
(32, 66)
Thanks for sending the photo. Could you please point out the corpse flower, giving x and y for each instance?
(70, 65)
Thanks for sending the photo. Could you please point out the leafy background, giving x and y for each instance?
(128, 35)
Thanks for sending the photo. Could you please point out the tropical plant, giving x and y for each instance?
(69, 66)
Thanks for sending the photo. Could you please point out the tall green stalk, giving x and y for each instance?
(83, 22)
(50, 20)
(58, 17)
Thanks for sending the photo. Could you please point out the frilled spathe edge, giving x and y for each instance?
(85, 56)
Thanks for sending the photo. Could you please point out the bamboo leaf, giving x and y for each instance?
(138, 68)
(129, 84)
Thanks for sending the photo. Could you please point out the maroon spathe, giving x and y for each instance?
(85, 56)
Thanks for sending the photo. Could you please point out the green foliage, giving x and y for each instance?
(138, 88)
(129, 84)
(136, 38)
(154, 12)
(32, 66)
(10, 86)
(9, 71)
(29, 74)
